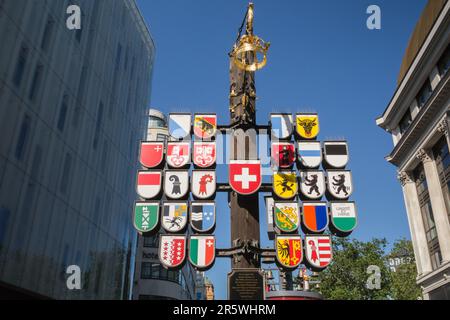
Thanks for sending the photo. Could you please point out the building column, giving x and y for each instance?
(443, 128)
(419, 240)
(437, 202)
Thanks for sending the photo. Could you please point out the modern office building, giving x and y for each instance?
(72, 110)
(417, 118)
(151, 280)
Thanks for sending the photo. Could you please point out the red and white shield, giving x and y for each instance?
(151, 154)
(178, 154)
(172, 250)
(204, 154)
(318, 251)
(203, 183)
(245, 176)
(283, 154)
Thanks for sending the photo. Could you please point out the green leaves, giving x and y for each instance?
(360, 271)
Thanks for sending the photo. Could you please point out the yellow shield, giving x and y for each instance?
(307, 125)
(289, 251)
(285, 184)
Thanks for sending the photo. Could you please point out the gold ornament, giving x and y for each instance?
(249, 43)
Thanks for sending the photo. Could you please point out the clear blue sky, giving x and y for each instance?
(322, 58)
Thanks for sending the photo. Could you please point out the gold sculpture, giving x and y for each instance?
(249, 43)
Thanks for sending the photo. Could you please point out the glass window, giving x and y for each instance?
(428, 217)
(23, 137)
(98, 125)
(444, 62)
(63, 113)
(48, 31)
(146, 270)
(37, 79)
(65, 176)
(405, 122)
(155, 122)
(151, 242)
(442, 156)
(424, 94)
(4, 218)
(161, 137)
(20, 66)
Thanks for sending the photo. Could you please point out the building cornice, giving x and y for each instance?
(416, 130)
(400, 99)
(140, 21)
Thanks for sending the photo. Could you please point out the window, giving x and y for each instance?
(442, 157)
(405, 122)
(98, 125)
(65, 176)
(161, 137)
(424, 94)
(444, 62)
(151, 242)
(20, 66)
(427, 217)
(23, 137)
(48, 31)
(37, 78)
(63, 113)
(4, 218)
(155, 122)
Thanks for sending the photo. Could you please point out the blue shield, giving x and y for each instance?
(203, 216)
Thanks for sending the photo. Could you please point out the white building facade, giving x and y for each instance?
(417, 117)
(72, 110)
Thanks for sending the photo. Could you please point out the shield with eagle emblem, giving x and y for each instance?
(307, 125)
(175, 216)
(203, 183)
(205, 126)
(286, 216)
(289, 251)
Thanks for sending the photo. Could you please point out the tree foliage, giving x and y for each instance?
(347, 277)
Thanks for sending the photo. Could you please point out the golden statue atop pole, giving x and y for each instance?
(249, 43)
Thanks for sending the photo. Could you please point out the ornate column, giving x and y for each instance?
(437, 202)
(443, 128)
(419, 240)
